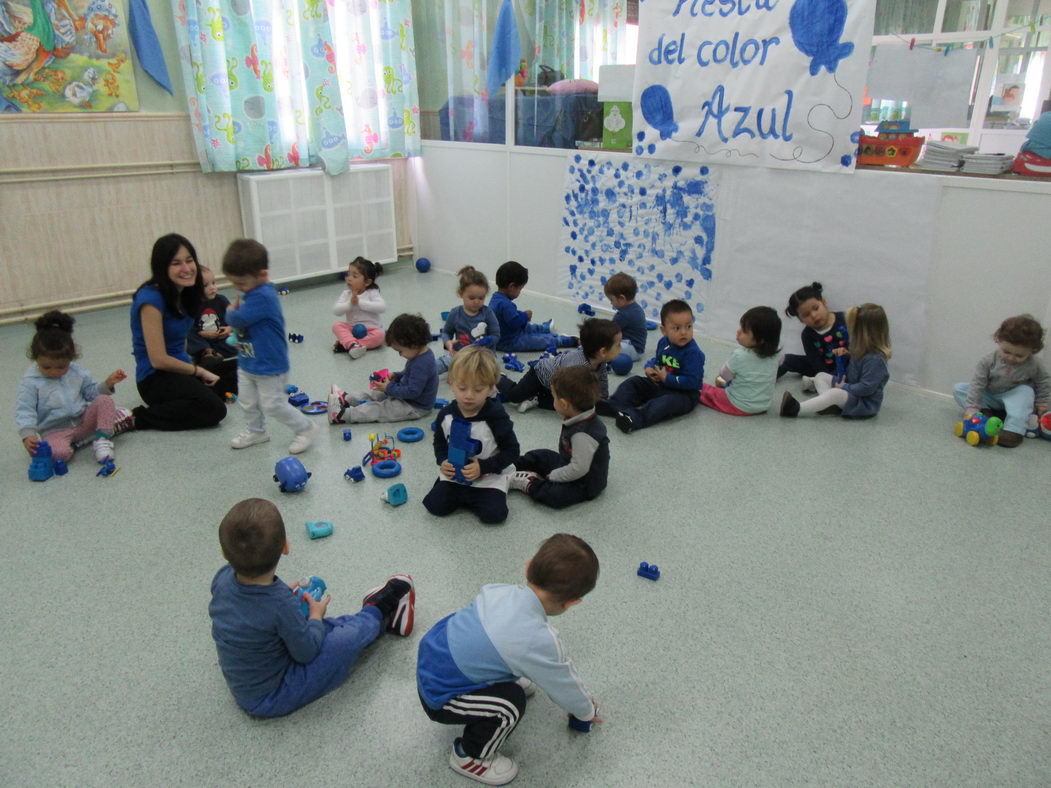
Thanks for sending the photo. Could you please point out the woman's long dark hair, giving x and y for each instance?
(188, 301)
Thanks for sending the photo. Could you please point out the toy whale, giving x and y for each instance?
(816, 29)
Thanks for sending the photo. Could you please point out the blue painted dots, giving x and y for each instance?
(676, 169)
(704, 170)
(846, 159)
(651, 148)
(638, 150)
(642, 191)
(578, 158)
(640, 136)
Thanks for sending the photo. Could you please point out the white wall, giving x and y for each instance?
(989, 255)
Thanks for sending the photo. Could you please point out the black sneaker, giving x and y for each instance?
(624, 422)
(789, 406)
(396, 599)
(831, 410)
(338, 348)
(605, 408)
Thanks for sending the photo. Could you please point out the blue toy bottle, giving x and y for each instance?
(312, 585)
(41, 467)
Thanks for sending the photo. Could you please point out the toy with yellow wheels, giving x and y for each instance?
(979, 428)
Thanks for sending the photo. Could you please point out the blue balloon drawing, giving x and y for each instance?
(658, 111)
(816, 29)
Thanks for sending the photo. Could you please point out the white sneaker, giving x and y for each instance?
(808, 385)
(336, 405)
(550, 324)
(497, 770)
(103, 449)
(248, 438)
(521, 480)
(357, 351)
(125, 421)
(527, 405)
(303, 439)
(527, 686)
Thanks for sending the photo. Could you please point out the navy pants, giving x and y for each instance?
(177, 402)
(802, 365)
(527, 387)
(648, 403)
(557, 495)
(446, 497)
(488, 716)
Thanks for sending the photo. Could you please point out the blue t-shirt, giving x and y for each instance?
(632, 322)
(176, 327)
(262, 348)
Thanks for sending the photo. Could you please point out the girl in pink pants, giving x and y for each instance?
(359, 308)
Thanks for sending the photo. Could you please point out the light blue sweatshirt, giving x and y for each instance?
(47, 404)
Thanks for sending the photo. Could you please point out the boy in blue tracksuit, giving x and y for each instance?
(262, 350)
(477, 666)
(673, 377)
(516, 332)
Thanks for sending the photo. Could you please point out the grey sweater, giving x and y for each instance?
(996, 376)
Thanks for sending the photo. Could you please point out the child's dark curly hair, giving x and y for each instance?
(53, 337)
(1021, 330)
(408, 331)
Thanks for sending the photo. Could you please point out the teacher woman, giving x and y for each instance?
(178, 393)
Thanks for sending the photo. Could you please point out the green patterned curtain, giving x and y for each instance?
(574, 36)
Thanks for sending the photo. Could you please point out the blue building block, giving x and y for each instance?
(395, 495)
(299, 399)
(295, 339)
(651, 325)
(586, 309)
(319, 529)
(579, 725)
(290, 475)
(461, 447)
(346, 435)
(512, 363)
(290, 389)
(354, 474)
(109, 468)
(40, 467)
(649, 571)
(61, 469)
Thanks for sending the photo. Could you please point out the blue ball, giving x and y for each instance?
(622, 364)
(359, 331)
(423, 265)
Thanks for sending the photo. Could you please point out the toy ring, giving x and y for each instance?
(410, 434)
(386, 469)
(315, 408)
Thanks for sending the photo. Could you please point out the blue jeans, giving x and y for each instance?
(347, 637)
(629, 349)
(533, 338)
(648, 403)
(1016, 402)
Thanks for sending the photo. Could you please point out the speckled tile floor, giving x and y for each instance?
(841, 603)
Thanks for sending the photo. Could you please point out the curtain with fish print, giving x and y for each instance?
(275, 84)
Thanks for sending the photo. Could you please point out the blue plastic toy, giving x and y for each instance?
(283, 291)
(649, 571)
(290, 475)
(461, 447)
(295, 339)
(586, 309)
(61, 469)
(579, 725)
(354, 474)
(651, 325)
(109, 468)
(346, 435)
(622, 364)
(980, 428)
(315, 408)
(315, 587)
(440, 403)
(359, 331)
(434, 426)
(290, 389)
(232, 340)
(40, 467)
(410, 434)
(512, 363)
(841, 369)
(299, 399)
(423, 265)
(386, 469)
(319, 529)
(395, 495)
(445, 316)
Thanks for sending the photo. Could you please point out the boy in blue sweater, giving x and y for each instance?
(262, 350)
(621, 290)
(408, 394)
(477, 666)
(273, 658)
(516, 332)
(673, 376)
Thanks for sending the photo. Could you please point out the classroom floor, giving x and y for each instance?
(841, 603)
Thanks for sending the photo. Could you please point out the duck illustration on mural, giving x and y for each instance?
(817, 26)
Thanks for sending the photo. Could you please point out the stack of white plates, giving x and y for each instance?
(987, 163)
(944, 156)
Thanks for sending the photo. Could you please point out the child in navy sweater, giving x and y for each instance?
(621, 290)
(262, 349)
(471, 324)
(824, 338)
(673, 377)
(480, 484)
(274, 658)
(516, 332)
(579, 469)
(408, 394)
(206, 343)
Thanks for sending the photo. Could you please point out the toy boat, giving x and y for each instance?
(895, 145)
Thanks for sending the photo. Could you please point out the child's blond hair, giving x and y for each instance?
(475, 365)
(869, 331)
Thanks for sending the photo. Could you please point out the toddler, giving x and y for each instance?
(824, 337)
(752, 367)
(476, 667)
(1011, 379)
(359, 306)
(273, 658)
(474, 323)
(599, 344)
(860, 394)
(621, 290)
(206, 342)
(672, 384)
(473, 377)
(57, 399)
(516, 332)
(408, 394)
(262, 349)
(578, 470)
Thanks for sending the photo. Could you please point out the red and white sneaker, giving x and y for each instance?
(125, 421)
(497, 770)
(337, 404)
(396, 599)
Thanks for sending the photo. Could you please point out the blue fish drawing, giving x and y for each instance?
(816, 29)
(658, 111)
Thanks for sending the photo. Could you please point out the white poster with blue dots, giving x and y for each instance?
(768, 83)
(653, 220)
